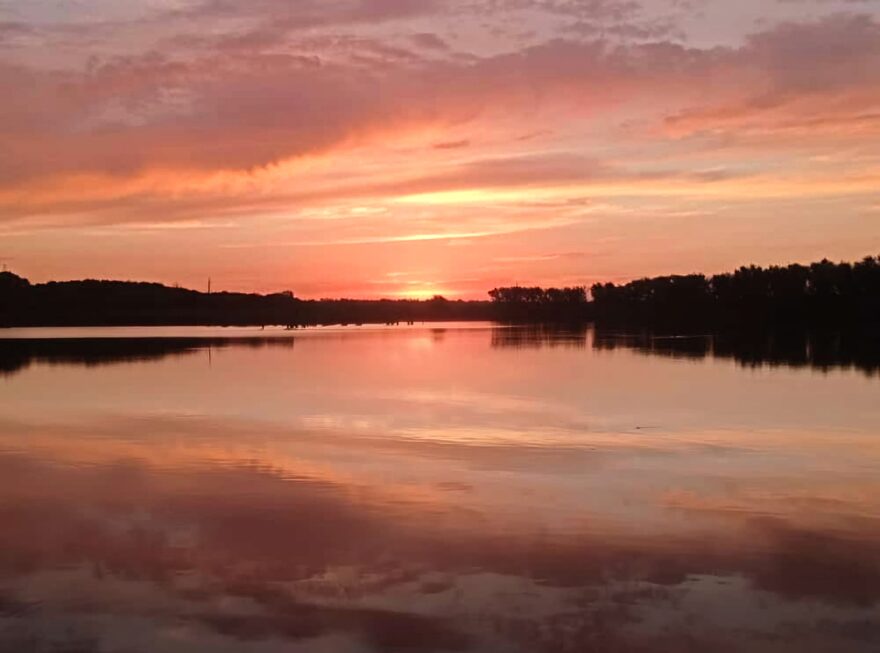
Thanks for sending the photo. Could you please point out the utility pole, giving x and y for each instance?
(209, 285)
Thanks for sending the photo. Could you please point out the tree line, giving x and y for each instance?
(820, 293)
(117, 303)
(540, 304)
(823, 293)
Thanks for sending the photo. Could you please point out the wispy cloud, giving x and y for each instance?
(381, 122)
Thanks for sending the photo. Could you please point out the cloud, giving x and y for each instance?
(107, 138)
(429, 41)
(803, 78)
(308, 13)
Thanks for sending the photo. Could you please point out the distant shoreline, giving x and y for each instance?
(822, 294)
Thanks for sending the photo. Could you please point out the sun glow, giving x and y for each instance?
(422, 293)
(485, 158)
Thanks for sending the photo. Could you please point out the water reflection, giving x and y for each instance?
(823, 350)
(536, 336)
(434, 491)
(820, 350)
(19, 353)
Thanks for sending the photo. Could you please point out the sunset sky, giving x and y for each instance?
(402, 148)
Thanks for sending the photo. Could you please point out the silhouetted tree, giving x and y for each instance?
(821, 293)
(551, 304)
(818, 293)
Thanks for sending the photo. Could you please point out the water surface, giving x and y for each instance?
(443, 488)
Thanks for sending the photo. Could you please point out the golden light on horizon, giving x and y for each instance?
(480, 150)
(423, 293)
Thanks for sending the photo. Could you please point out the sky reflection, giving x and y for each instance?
(417, 490)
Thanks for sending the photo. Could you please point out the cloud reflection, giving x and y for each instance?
(428, 491)
(252, 553)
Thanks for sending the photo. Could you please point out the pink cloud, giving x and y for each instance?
(238, 109)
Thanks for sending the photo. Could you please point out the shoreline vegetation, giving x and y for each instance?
(819, 295)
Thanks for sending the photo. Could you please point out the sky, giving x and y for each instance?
(406, 148)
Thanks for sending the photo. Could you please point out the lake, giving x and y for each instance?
(454, 487)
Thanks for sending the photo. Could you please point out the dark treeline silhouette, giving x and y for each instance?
(91, 302)
(822, 294)
(817, 294)
(541, 304)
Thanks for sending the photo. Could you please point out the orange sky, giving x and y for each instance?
(411, 147)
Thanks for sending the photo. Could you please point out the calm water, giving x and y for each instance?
(458, 488)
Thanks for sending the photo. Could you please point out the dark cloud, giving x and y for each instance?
(310, 13)
(429, 41)
(452, 145)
